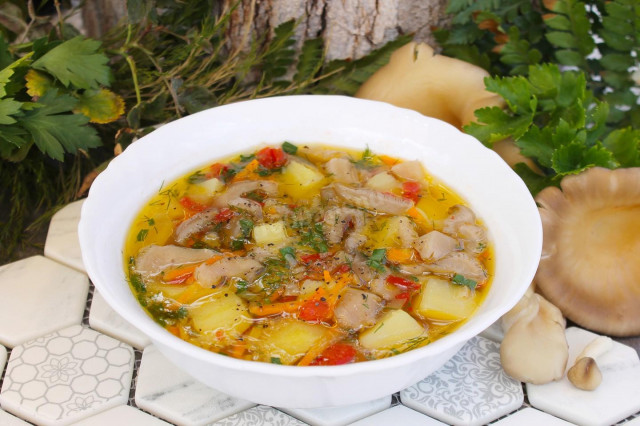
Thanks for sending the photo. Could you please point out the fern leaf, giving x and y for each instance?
(310, 60)
(279, 54)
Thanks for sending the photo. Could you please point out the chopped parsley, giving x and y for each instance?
(246, 226)
(142, 234)
(276, 360)
(289, 148)
(287, 251)
(461, 280)
(377, 259)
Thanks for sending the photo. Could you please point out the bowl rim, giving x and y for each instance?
(158, 334)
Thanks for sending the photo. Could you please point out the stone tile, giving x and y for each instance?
(108, 321)
(470, 389)
(62, 242)
(614, 400)
(165, 391)
(38, 296)
(531, 417)
(3, 358)
(122, 415)
(633, 422)
(7, 419)
(67, 376)
(337, 416)
(494, 332)
(400, 416)
(259, 415)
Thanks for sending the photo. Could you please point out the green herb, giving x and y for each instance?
(246, 226)
(378, 327)
(196, 177)
(461, 280)
(241, 286)
(163, 314)
(247, 158)
(255, 196)
(263, 171)
(312, 235)
(287, 251)
(377, 259)
(414, 343)
(137, 283)
(142, 234)
(275, 360)
(368, 160)
(289, 148)
(237, 244)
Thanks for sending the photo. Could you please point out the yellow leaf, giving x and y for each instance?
(37, 83)
(101, 106)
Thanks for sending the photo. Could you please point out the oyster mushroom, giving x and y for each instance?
(534, 348)
(590, 266)
(585, 373)
(434, 85)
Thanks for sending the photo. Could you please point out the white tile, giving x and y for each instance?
(62, 242)
(123, 415)
(470, 389)
(614, 400)
(3, 358)
(67, 376)
(494, 332)
(165, 391)
(531, 417)
(337, 416)
(108, 321)
(260, 415)
(633, 422)
(400, 416)
(7, 419)
(38, 296)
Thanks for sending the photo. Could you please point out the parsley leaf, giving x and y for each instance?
(461, 280)
(246, 226)
(289, 148)
(77, 62)
(377, 259)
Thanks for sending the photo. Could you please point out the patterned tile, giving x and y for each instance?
(610, 403)
(167, 392)
(62, 242)
(50, 297)
(7, 419)
(337, 416)
(531, 417)
(259, 415)
(3, 357)
(122, 415)
(108, 321)
(470, 389)
(67, 376)
(398, 415)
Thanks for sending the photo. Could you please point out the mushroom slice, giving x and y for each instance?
(461, 263)
(338, 219)
(154, 259)
(435, 245)
(434, 85)
(342, 170)
(373, 200)
(245, 268)
(357, 309)
(534, 348)
(589, 266)
(411, 170)
(199, 222)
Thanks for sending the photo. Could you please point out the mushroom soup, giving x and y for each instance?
(308, 255)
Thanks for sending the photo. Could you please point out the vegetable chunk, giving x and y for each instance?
(223, 315)
(394, 329)
(440, 299)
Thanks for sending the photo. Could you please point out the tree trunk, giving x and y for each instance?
(350, 28)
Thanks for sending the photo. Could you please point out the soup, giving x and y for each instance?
(308, 255)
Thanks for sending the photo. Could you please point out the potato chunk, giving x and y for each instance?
(440, 299)
(301, 180)
(286, 340)
(269, 233)
(223, 315)
(393, 329)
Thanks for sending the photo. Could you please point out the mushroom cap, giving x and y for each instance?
(437, 86)
(590, 266)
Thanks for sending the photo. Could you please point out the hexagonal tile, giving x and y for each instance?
(108, 321)
(398, 415)
(610, 403)
(167, 392)
(470, 389)
(3, 357)
(7, 419)
(336, 416)
(62, 242)
(531, 417)
(64, 387)
(49, 297)
(260, 415)
(122, 415)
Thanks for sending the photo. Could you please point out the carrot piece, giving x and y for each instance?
(182, 273)
(237, 349)
(174, 329)
(419, 217)
(318, 348)
(400, 255)
(389, 161)
(274, 308)
(248, 172)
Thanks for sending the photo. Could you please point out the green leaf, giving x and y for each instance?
(101, 106)
(280, 52)
(625, 146)
(310, 60)
(535, 182)
(9, 107)
(461, 280)
(516, 91)
(538, 145)
(14, 145)
(8, 71)
(561, 39)
(569, 57)
(77, 62)
(289, 148)
(573, 158)
(494, 124)
(54, 130)
(617, 61)
(545, 79)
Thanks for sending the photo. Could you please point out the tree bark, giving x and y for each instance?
(350, 28)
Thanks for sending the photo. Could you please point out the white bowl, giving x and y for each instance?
(492, 189)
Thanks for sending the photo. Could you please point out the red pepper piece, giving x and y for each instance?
(315, 310)
(338, 354)
(411, 191)
(403, 282)
(271, 158)
(223, 215)
(191, 205)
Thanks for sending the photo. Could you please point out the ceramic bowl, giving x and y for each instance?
(497, 195)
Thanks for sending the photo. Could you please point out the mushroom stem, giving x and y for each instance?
(597, 347)
(585, 374)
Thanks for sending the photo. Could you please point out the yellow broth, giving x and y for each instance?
(308, 255)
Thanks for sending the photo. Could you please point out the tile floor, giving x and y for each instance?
(67, 358)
